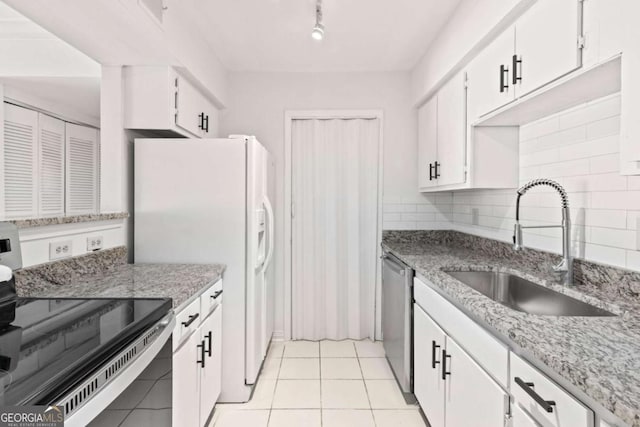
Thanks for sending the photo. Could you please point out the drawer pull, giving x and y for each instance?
(434, 352)
(192, 319)
(547, 405)
(216, 295)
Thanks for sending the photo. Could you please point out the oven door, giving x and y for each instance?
(86, 401)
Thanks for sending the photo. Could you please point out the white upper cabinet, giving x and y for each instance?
(542, 45)
(428, 143)
(20, 162)
(489, 76)
(452, 124)
(454, 156)
(441, 136)
(159, 99)
(51, 161)
(82, 151)
(547, 44)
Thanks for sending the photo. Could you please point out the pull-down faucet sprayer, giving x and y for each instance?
(566, 265)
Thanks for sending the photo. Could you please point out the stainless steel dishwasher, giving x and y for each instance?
(397, 321)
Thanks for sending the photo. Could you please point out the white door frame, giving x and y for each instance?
(289, 117)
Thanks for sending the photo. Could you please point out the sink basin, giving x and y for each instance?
(520, 294)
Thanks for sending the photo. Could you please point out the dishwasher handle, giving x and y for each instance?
(394, 265)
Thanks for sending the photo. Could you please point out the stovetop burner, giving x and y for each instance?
(51, 344)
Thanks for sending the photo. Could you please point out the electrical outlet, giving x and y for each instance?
(58, 250)
(94, 243)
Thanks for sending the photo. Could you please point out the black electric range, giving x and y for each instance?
(49, 346)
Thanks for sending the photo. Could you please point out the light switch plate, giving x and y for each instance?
(94, 243)
(59, 250)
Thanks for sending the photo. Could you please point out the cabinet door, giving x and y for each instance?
(427, 142)
(51, 135)
(547, 43)
(521, 418)
(82, 179)
(473, 398)
(185, 393)
(428, 343)
(210, 374)
(19, 165)
(190, 108)
(452, 120)
(485, 77)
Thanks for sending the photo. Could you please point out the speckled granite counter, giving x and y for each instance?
(600, 356)
(106, 274)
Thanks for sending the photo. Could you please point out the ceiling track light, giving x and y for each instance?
(318, 29)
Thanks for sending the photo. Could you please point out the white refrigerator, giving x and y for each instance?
(207, 201)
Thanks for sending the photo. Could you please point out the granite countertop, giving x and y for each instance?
(600, 356)
(109, 276)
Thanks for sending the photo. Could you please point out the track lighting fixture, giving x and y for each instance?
(318, 29)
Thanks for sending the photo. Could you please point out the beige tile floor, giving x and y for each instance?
(328, 383)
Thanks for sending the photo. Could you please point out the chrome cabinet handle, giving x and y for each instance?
(547, 405)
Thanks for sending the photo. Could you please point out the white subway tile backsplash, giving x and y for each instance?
(580, 149)
(602, 128)
(607, 163)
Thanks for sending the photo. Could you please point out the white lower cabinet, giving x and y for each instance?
(544, 400)
(197, 359)
(429, 341)
(472, 397)
(521, 419)
(185, 384)
(451, 388)
(211, 365)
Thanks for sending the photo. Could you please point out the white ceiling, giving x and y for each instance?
(79, 94)
(360, 35)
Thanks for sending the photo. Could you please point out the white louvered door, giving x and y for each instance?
(51, 134)
(19, 166)
(82, 170)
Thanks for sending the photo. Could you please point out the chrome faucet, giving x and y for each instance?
(566, 265)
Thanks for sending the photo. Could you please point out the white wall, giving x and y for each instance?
(257, 105)
(473, 25)
(35, 241)
(579, 148)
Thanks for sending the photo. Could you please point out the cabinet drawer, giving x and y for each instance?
(486, 350)
(211, 298)
(187, 321)
(566, 412)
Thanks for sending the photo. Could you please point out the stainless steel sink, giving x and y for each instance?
(522, 295)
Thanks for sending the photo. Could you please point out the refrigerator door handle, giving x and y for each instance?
(270, 227)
